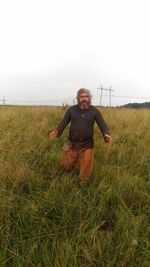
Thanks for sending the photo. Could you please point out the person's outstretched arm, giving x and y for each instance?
(103, 127)
(61, 126)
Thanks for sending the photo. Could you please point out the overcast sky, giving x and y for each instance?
(49, 49)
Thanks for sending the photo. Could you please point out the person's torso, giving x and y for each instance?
(82, 123)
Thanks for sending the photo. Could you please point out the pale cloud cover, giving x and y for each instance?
(49, 49)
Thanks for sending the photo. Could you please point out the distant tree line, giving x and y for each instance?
(136, 105)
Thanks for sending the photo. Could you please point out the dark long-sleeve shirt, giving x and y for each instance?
(81, 131)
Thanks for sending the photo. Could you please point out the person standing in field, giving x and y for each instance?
(79, 147)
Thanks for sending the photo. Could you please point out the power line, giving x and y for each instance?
(135, 97)
(70, 100)
(110, 90)
(67, 101)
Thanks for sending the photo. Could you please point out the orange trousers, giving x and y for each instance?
(84, 157)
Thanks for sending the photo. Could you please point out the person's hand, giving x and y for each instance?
(107, 138)
(53, 135)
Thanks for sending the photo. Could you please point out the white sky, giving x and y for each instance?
(49, 49)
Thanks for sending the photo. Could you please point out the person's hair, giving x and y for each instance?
(83, 90)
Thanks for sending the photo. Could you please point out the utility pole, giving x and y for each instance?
(101, 94)
(110, 90)
(3, 100)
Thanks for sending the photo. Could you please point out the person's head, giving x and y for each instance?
(84, 98)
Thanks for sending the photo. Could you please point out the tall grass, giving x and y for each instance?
(48, 219)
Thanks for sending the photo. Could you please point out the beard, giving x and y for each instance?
(84, 104)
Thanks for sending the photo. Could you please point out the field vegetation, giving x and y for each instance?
(47, 219)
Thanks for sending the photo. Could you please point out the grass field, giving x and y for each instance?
(48, 219)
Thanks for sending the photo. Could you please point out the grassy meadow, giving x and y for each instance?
(47, 219)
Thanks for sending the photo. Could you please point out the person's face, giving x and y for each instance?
(84, 100)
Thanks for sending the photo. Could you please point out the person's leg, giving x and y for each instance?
(86, 163)
(69, 159)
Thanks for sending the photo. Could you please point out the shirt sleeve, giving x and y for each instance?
(101, 123)
(65, 121)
